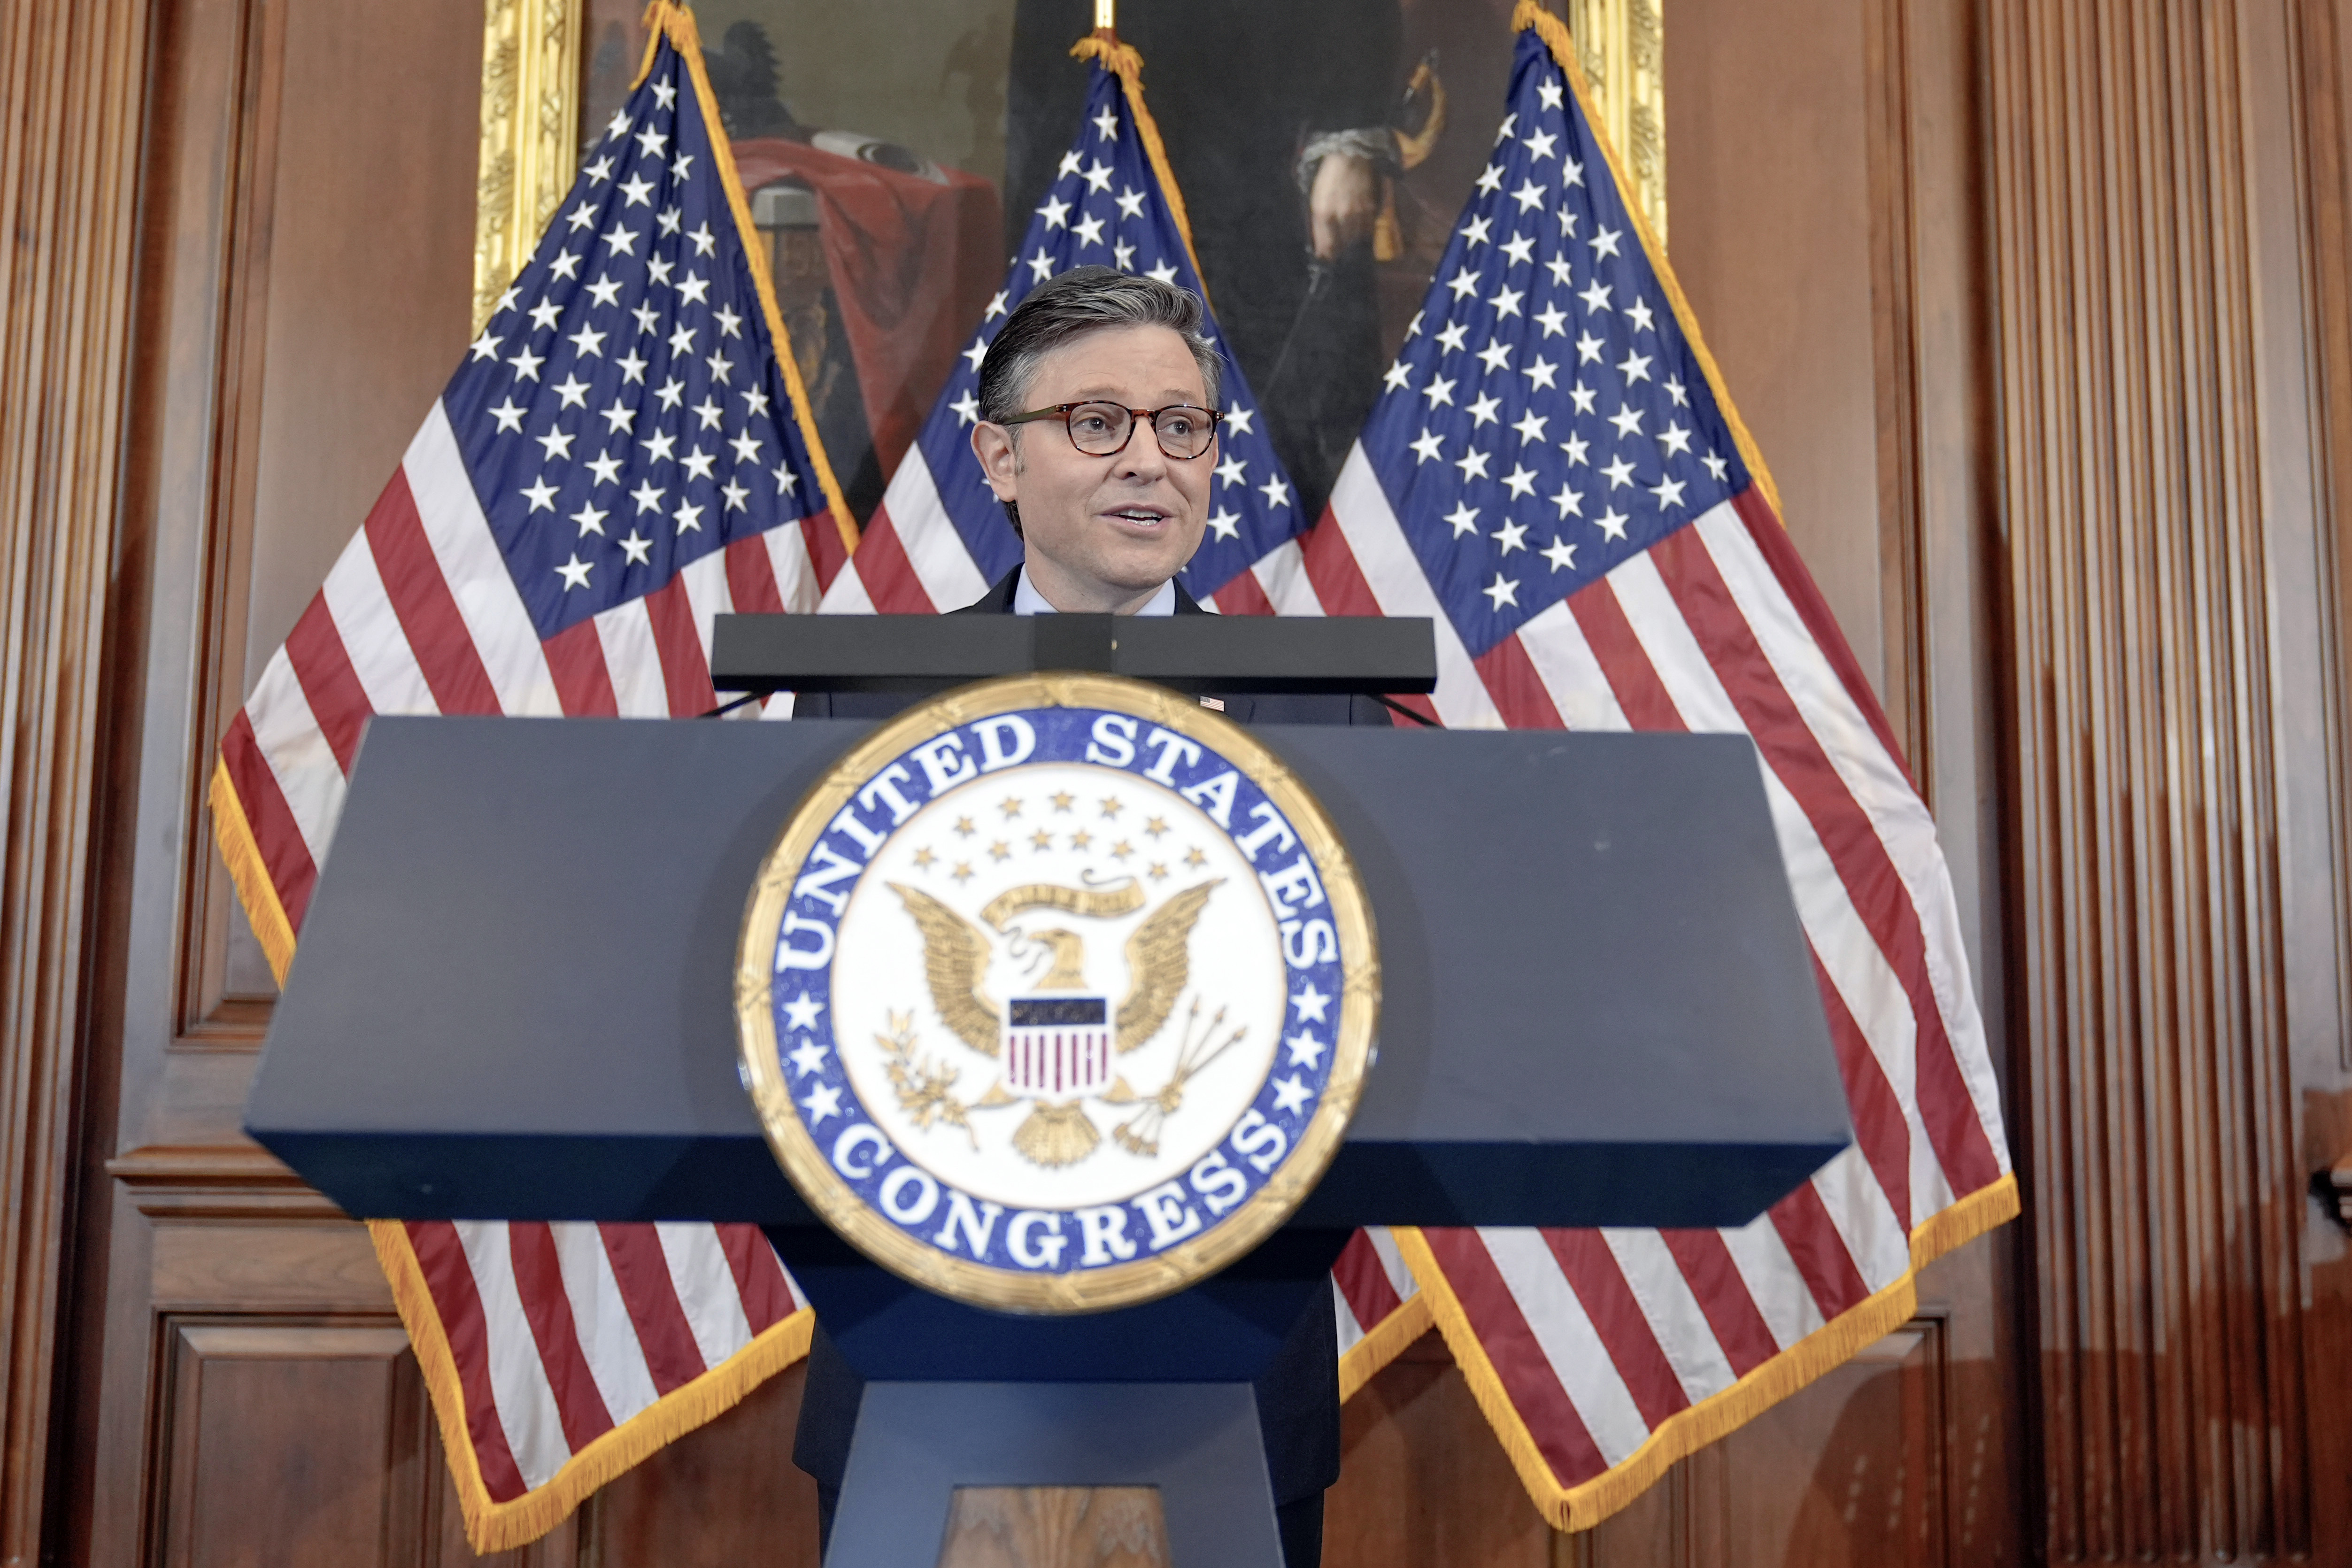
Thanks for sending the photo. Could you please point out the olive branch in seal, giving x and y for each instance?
(923, 1086)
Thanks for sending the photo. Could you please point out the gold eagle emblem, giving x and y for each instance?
(956, 955)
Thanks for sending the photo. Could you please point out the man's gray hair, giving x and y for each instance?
(1086, 300)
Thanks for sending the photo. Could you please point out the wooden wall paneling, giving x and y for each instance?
(2170, 826)
(2318, 37)
(1900, 1457)
(188, 179)
(236, 49)
(1938, 523)
(211, 123)
(1939, 519)
(286, 1421)
(305, 221)
(2291, 265)
(69, 102)
(1895, 259)
(287, 1442)
(1421, 1477)
(1947, 675)
(1875, 1492)
(1771, 242)
(254, 1271)
(722, 1496)
(1830, 227)
(2322, 46)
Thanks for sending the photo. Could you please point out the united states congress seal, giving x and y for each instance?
(1056, 994)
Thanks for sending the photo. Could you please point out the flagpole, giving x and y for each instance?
(1107, 16)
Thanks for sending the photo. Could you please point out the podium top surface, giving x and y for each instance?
(512, 997)
(1242, 654)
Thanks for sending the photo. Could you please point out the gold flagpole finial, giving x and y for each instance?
(1106, 16)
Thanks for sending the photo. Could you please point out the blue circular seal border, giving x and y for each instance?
(1084, 1258)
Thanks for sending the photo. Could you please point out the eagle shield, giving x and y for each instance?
(1059, 1048)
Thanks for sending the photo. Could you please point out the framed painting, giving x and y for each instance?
(893, 152)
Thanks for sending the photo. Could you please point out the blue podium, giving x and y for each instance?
(513, 1001)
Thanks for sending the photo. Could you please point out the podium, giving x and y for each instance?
(512, 1001)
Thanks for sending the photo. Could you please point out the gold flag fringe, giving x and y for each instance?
(1382, 1344)
(493, 1526)
(1554, 33)
(1587, 1503)
(677, 23)
(1123, 62)
(233, 831)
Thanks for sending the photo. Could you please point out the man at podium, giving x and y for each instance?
(1111, 505)
(1099, 434)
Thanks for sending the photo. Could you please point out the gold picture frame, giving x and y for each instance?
(530, 75)
(531, 85)
(1622, 45)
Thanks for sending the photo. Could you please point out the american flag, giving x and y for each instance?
(1555, 475)
(621, 456)
(939, 538)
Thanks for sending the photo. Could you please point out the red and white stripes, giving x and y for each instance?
(910, 560)
(420, 616)
(1595, 1338)
(561, 1334)
(1369, 1284)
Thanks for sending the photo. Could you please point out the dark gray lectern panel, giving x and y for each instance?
(512, 996)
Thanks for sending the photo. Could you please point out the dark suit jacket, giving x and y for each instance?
(1298, 1397)
(1339, 709)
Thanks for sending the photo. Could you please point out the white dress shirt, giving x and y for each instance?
(1028, 601)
